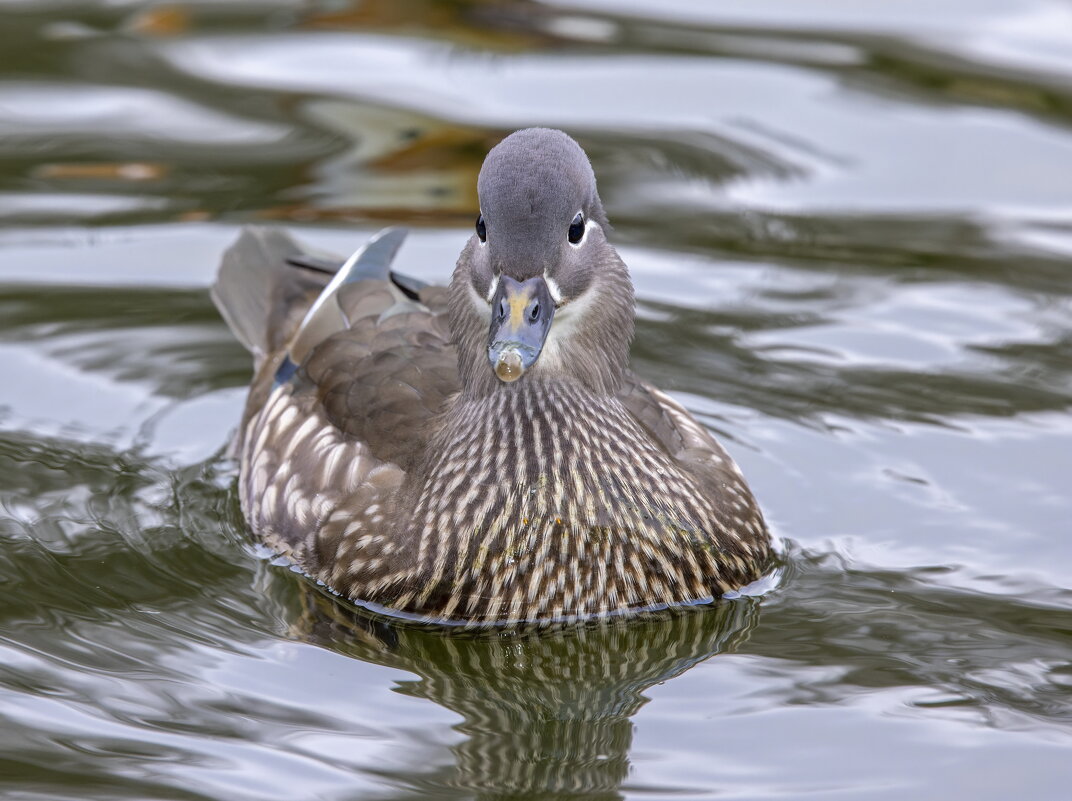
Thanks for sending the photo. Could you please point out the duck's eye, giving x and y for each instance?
(576, 229)
(482, 230)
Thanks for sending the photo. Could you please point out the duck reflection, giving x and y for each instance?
(546, 713)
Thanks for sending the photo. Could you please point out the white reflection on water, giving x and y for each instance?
(55, 110)
(842, 148)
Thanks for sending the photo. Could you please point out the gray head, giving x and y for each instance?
(539, 293)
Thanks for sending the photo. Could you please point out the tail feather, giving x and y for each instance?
(271, 302)
(258, 294)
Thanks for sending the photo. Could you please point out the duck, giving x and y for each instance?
(481, 453)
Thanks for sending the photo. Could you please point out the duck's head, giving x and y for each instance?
(539, 293)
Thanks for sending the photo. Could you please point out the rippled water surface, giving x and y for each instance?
(850, 226)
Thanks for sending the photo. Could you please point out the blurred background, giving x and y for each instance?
(850, 227)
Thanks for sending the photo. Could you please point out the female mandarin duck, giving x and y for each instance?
(480, 453)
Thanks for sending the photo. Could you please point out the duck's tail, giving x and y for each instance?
(274, 294)
(255, 290)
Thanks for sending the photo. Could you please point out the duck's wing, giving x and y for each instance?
(327, 316)
(372, 345)
(383, 379)
(349, 375)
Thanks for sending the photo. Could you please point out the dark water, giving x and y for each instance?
(850, 226)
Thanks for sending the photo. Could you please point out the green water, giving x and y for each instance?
(850, 227)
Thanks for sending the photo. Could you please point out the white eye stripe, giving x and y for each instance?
(553, 289)
(480, 304)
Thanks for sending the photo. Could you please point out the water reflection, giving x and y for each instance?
(545, 713)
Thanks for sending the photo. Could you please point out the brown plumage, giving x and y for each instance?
(481, 453)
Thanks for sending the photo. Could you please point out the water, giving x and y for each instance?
(849, 226)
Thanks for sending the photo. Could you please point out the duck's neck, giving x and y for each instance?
(530, 428)
(542, 448)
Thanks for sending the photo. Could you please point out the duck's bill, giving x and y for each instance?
(521, 314)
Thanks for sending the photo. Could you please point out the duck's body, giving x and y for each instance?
(410, 460)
